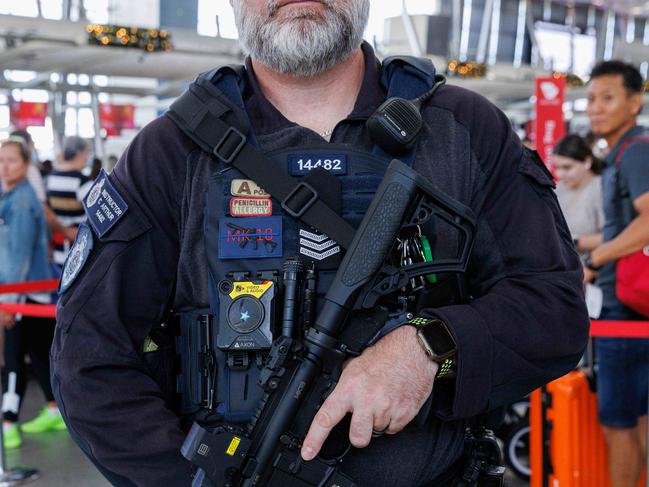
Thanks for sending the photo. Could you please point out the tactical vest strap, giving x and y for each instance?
(406, 76)
(200, 114)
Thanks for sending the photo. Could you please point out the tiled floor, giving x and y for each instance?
(62, 464)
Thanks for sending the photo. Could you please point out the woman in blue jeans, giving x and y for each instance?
(23, 257)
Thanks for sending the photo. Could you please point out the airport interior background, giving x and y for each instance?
(103, 69)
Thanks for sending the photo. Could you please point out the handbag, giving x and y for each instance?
(632, 281)
(632, 272)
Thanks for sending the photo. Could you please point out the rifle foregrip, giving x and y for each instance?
(377, 234)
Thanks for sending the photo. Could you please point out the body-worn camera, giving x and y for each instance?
(246, 315)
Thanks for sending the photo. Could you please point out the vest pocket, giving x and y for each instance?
(160, 363)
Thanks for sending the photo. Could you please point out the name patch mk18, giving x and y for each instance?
(299, 164)
(250, 238)
(251, 206)
(247, 187)
(104, 205)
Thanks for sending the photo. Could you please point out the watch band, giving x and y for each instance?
(438, 343)
(446, 368)
(420, 322)
(588, 262)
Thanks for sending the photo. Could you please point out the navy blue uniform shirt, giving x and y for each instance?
(526, 324)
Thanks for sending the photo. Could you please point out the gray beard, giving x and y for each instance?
(305, 44)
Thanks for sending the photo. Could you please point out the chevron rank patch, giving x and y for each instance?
(319, 248)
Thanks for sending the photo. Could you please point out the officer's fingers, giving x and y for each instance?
(360, 428)
(332, 411)
(401, 419)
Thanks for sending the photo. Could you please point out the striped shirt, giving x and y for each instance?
(65, 193)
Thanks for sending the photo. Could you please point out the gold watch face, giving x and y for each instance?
(424, 343)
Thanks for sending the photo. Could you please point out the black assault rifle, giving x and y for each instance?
(300, 373)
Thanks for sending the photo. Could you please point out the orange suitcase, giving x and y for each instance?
(567, 446)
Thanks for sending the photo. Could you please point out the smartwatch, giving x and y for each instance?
(438, 343)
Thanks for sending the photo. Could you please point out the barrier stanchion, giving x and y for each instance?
(15, 476)
(23, 475)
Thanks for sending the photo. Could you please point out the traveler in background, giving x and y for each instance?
(112, 162)
(580, 191)
(95, 168)
(46, 167)
(23, 257)
(66, 187)
(614, 103)
(33, 174)
(36, 178)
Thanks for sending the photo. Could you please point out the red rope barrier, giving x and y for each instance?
(58, 239)
(619, 329)
(598, 328)
(35, 310)
(29, 287)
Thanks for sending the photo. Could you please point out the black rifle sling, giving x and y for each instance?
(200, 113)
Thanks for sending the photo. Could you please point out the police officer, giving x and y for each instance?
(311, 81)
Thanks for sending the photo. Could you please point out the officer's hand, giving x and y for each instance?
(589, 275)
(7, 320)
(384, 389)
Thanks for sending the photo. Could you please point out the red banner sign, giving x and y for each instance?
(114, 118)
(550, 127)
(27, 114)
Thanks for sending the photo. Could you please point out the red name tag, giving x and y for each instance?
(251, 207)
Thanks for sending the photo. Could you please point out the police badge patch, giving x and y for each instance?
(76, 258)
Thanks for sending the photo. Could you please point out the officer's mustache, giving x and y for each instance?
(274, 5)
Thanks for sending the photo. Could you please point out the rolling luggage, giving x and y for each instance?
(567, 443)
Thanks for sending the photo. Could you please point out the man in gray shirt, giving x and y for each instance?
(614, 102)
